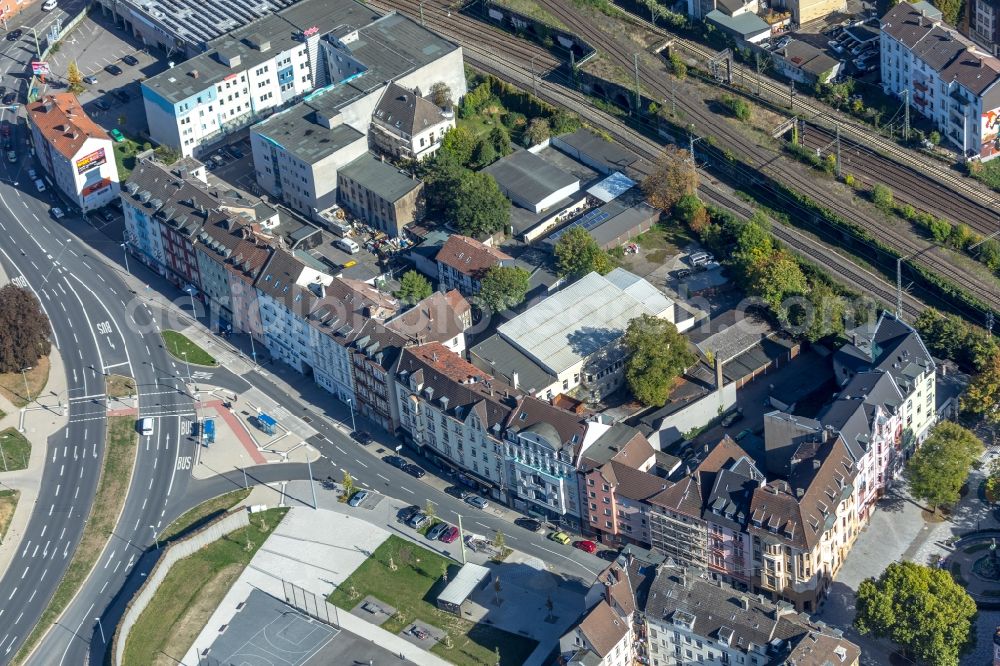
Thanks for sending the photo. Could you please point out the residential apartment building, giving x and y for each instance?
(380, 194)
(541, 443)
(454, 412)
(690, 619)
(982, 24)
(616, 484)
(941, 75)
(441, 317)
(895, 347)
(604, 637)
(408, 126)
(73, 150)
(298, 154)
(463, 262)
(557, 333)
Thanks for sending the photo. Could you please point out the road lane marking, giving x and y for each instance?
(407, 490)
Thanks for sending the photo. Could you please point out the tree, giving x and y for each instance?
(503, 287)
(430, 509)
(673, 177)
(441, 179)
(775, 278)
(740, 108)
(677, 66)
(577, 253)
(918, 607)
(983, 395)
(499, 541)
(827, 312)
(942, 463)
(882, 197)
(485, 153)
(692, 212)
(500, 138)
(440, 94)
(74, 78)
(951, 10)
(24, 329)
(537, 131)
(658, 354)
(989, 253)
(348, 483)
(413, 287)
(479, 207)
(457, 144)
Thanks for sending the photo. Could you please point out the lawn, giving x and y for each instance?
(119, 386)
(125, 156)
(203, 513)
(15, 450)
(12, 383)
(412, 588)
(190, 592)
(179, 345)
(8, 502)
(116, 474)
(989, 173)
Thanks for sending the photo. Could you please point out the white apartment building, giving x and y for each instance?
(943, 77)
(74, 151)
(455, 412)
(298, 153)
(245, 75)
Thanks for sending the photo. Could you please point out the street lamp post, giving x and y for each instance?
(312, 486)
(190, 291)
(125, 251)
(101, 627)
(461, 536)
(188, 365)
(38, 51)
(27, 391)
(156, 537)
(246, 485)
(350, 403)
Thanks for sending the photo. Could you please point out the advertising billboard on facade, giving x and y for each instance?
(990, 134)
(91, 161)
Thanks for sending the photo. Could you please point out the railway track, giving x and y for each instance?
(496, 52)
(819, 112)
(770, 163)
(909, 187)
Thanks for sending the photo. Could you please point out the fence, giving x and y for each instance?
(176, 551)
(309, 603)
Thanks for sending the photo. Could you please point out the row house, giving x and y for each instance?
(374, 351)
(441, 317)
(616, 483)
(454, 412)
(463, 263)
(541, 443)
(895, 347)
(867, 415)
(406, 126)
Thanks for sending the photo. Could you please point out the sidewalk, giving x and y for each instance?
(40, 420)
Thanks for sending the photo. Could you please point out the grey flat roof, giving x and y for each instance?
(383, 179)
(626, 219)
(459, 589)
(282, 30)
(296, 132)
(594, 148)
(745, 25)
(200, 21)
(502, 359)
(530, 176)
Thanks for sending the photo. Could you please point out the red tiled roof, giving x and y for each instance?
(64, 123)
(470, 257)
(603, 628)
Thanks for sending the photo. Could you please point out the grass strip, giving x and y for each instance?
(8, 503)
(409, 577)
(12, 384)
(116, 474)
(182, 348)
(203, 513)
(119, 386)
(15, 450)
(191, 591)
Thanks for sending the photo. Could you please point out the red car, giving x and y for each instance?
(586, 546)
(449, 534)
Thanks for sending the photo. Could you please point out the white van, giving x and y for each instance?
(347, 245)
(146, 426)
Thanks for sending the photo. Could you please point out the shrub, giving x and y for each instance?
(740, 108)
(940, 230)
(882, 197)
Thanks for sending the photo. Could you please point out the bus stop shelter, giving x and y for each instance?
(453, 597)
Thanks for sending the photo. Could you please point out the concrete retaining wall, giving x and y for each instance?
(176, 551)
(695, 415)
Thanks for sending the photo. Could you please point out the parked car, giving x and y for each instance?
(113, 70)
(235, 151)
(57, 212)
(418, 520)
(49, 5)
(14, 35)
(32, 174)
(608, 555)
(39, 184)
(90, 80)
(106, 215)
(407, 513)
(395, 461)
(586, 546)
(358, 497)
(117, 135)
(559, 537)
(476, 501)
(9, 98)
(11, 156)
(414, 470)
(361, 437)
(743, 434)
(683, 273)
(529, 524)
(102, 105)
(836, 46)
(732, 417)
(456, 491)
(130, 60)
(434, 533)
(449, 534)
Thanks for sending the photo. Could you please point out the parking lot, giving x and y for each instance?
(111, 99)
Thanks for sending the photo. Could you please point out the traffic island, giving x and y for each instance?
(15, 450)
(119, 386)
(183, 349)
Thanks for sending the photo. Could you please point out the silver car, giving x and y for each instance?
(358, 498)
(477, 501)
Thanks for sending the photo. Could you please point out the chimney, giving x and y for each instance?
(816, 463)
(514, 380)
(744, 603)
(194, 73)
(800, 492)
